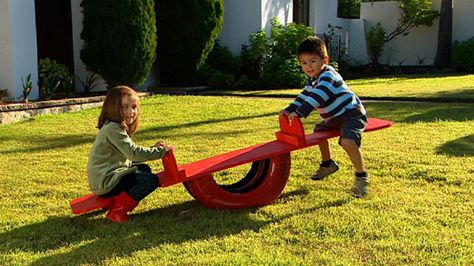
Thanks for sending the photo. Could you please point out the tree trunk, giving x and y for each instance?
(445, 34)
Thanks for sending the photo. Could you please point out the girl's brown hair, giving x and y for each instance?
(112, 108)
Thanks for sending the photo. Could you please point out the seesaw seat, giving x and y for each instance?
(255, 153)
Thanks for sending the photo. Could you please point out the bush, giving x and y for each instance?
(187, 31)
(273, 59)
(283, 73)
(348, 8)
(255, 55)
(375, 42)
(119, 39)
(463, 55)
(53, 77)
(222, 59)
(246, 83)
(220, 80)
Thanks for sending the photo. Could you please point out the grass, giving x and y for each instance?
(419, 210)
(416, 87)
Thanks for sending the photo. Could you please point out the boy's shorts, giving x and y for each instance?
(350, 128)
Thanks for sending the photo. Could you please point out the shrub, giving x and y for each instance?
(246, 83)
(283, 73)
(463, 55)
(187, 31)
(255, 55)
(27, 85)
(220, 80)
(54, 76)
(222, 59)
(375, 42)
(348, 8)
(119, 39)
(273, 59)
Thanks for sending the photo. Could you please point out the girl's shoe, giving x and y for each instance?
(123, 203)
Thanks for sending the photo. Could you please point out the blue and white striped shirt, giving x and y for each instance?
(329, 94)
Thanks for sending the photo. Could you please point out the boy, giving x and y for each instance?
(339, 107)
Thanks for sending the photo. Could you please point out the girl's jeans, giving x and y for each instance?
(138, 185)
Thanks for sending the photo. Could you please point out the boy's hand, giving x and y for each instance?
(291, 116)
(285, 113)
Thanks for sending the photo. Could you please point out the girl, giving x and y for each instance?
(112, 175)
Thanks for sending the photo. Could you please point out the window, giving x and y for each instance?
(301, 12)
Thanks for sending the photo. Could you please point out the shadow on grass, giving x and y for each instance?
(420, 112)
(462, 94)
(459, 147)
(160, 129)
(39, 143)
(85, 240)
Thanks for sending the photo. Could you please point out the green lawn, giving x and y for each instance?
(419, 210)
(405, 87)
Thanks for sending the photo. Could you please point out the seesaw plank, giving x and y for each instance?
(261, 151)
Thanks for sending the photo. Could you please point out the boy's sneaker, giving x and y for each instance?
(361, 186)
(325, 171)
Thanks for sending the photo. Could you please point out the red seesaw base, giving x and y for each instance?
(263, 183)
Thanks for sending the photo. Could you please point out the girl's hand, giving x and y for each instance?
(160, 144)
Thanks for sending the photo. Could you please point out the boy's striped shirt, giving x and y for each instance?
(329, 94)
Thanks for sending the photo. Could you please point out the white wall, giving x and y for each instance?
(244, 17)
(357, 42)
(282, 9)
(6, 48)
(323, 13)
(18, 52)
(417, 48)
(463, 16)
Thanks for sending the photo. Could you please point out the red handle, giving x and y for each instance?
(293, 132)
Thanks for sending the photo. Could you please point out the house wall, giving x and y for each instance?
(417, 48)
(282, 9)
(323, 19)
(18, 56)
(463, 14)
(244, 17)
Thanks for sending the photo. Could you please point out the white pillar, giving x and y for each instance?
(18, 47)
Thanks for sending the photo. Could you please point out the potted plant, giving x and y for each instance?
(3, 93)
(27, 87)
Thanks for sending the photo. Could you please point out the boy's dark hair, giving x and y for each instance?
(313, 45)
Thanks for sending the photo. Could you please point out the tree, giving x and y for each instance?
(119, 39)
(445, 34)
(414, 13)
(187, 32)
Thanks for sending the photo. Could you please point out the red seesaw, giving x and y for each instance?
(263, 183)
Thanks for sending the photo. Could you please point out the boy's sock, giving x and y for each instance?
(326, 163)
(362, 174)
(361, 185)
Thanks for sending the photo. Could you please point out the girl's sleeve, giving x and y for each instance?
(119, 139)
